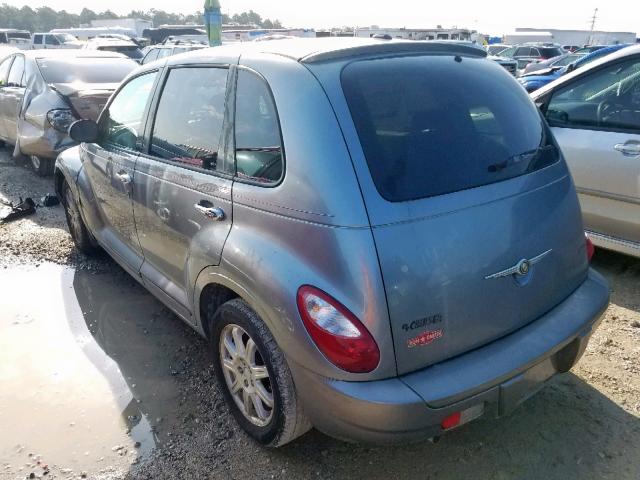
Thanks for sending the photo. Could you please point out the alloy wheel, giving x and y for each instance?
(35, 162)
(73, 215)
(246, 375)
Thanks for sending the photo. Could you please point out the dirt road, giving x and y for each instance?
(99, 378)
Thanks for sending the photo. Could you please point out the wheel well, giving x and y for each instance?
(212, 296)
(59, 182)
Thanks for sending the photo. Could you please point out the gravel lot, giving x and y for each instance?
(584, 424)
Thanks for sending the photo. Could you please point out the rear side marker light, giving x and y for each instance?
(464, 416)
(590, 247)
(337, 333)
(451, 421)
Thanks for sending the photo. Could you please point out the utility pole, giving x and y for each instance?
(593, 24)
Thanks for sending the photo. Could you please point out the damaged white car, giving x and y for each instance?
(42, 92)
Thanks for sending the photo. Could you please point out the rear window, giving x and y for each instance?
(432, 125)
(550, 52)
(85, 70)
(23, 35)
(130, 51)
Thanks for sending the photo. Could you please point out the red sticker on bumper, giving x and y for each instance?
(424, 339)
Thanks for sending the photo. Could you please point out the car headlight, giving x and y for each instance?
(61, 119)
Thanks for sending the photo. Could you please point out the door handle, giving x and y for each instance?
(628, 149)
(209, 211)
(124, 177)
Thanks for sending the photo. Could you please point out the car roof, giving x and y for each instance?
(116, 42)
(70, 54)
(624, 52)
(601, 52)
(314, 50)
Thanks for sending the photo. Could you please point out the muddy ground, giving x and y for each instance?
(99, 379)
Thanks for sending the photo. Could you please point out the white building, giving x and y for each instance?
(577, 37)
(88, 33)
(248, 35)
(417, 33)
(138, 25)
(516, 38)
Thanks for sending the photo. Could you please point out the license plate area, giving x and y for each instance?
(520, 388)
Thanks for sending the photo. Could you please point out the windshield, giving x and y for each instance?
(85, 70)
(431, 125)
(130, 51)
(564, 61)
(65, 37)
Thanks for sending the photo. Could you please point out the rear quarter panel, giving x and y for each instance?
(311, 228)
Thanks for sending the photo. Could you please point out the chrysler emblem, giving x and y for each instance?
(522, 268)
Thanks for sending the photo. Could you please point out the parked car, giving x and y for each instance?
(528, 53)
(570, 48)
(533, 81)
(16, 38)
(156, 52)
(496, 49)
(552, 63)
(43, 91)
(590, 49)
(55, 40)
(509, 64)
(126, 47)
(378, 238)
(594, 113)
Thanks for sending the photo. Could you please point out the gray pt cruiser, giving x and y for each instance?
(379, 238)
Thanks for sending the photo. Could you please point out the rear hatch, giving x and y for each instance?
(473, 212)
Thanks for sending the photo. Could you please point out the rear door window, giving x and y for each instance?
(523, 52)
(51, 40)
(151, 56)
(164, 52)
(191, 111)
(4, 70)
(259, 155)
(16, 75)
(432, 125)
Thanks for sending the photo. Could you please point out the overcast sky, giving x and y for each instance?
(488, 16)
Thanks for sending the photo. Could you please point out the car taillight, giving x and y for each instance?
(590, 248)
(338, 334)
(61, 119)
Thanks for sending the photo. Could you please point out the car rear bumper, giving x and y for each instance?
(45, 143)
(497, 377)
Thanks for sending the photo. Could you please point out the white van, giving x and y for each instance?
(16, 38)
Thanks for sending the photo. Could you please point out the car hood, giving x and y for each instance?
(539, 73)
(536, 77)
(87, 99)
(498, 58)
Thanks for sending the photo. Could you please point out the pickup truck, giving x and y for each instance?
(55, 40)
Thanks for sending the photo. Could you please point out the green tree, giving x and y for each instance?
(44, 19)
(86, 16)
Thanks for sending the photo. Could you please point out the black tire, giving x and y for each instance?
(287, 421)
(42, 166)
(82, 239)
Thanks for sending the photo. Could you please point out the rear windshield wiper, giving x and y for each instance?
(530, 156)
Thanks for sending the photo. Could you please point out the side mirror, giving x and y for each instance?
(571, 67)
(84, 131)
(543, 102)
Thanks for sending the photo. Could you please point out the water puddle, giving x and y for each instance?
(85, 371)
